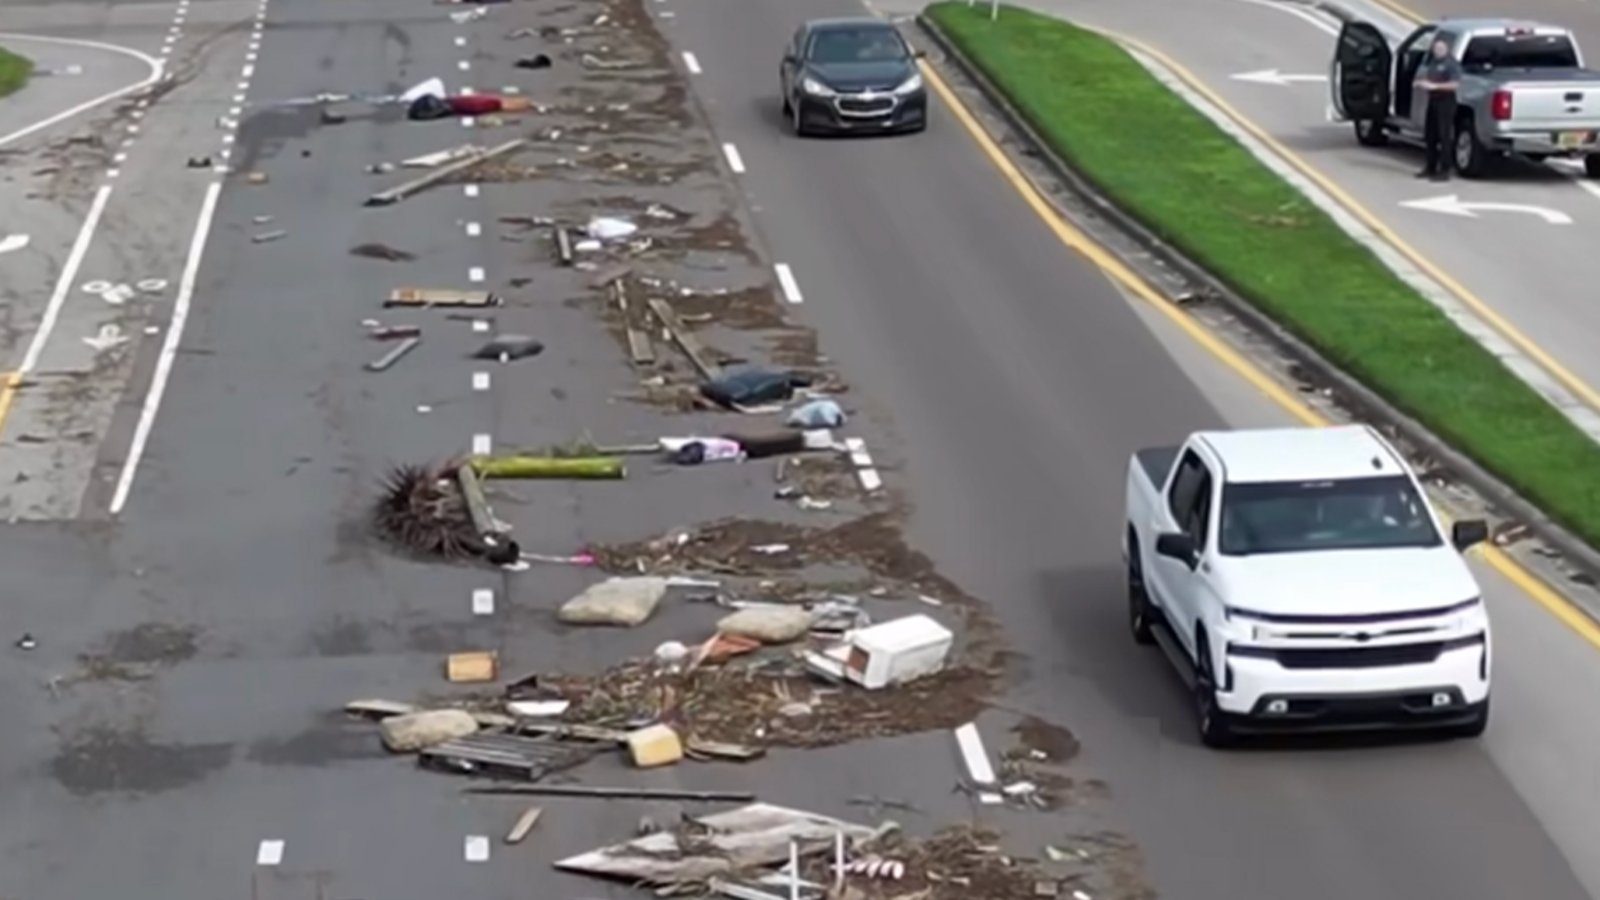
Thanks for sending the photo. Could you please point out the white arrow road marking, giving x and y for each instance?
(110, 336)
(1273, 76)
(1453, 205)
(13, 242)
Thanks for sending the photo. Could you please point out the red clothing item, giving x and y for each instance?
(474, 105)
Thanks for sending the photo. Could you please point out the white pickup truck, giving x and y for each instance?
(1300, 580)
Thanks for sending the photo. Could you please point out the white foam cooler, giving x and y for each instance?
(895, 651)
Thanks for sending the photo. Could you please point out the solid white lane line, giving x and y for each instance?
(480, 380)
(482, 445)
(476, 848)
(690, 63)
(735, 161)
(169, 349)
(69, 277)
(270, 853)
(475, 274)
(474, 229)
(483, 602)
(791, 288)
(471, 190)
(151, 61)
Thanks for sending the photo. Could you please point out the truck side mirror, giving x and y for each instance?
(1469, 532)
(1176, 545)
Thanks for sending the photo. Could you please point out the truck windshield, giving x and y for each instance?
(1551, 51)
(1349, 514)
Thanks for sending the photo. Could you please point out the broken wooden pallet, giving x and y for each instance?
(488, 753)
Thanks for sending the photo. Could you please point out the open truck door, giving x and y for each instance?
(1362, 61)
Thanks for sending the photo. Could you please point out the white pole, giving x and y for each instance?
(794, 871)
(994, 10)
(838, 860)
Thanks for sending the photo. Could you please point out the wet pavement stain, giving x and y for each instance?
(152, 643)
(332, 738)
(104, 760)
(342, 638)
(1057, 743)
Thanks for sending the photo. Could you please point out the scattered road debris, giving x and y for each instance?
(411, 732)
(745, 388)
(268, 236)
(524, 824)
(440, 297)
(388, 359)
(685, 339)
(422, 509)
(538, 709)
(392, 332)
(623, 601)
(443, 157)
(26, 642)
(822, 413)
(256, 178)
(887, 653)
(654, 745)
(769, 625)
(382, 251)
(449, 170)
(610, 228)
(720, 844)
(502, 755)
(473, 666)
(508, 347)
(378, 709)
(536, 61)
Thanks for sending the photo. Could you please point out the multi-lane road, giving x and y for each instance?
(1006, 379)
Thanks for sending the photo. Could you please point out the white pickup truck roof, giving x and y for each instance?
(1301, 454)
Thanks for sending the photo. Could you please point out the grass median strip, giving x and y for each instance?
(14, 71)
(1174, 170)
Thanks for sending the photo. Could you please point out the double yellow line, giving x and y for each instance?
(1076, 239)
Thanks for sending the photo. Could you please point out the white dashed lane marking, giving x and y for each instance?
(471, 190)
(735, 161)
(475, 274)
(474, 229)
(270, 853)
(690, 63)
(483, 602)
(480, 380)
(476, 848)
(482, 445)
(791, 288)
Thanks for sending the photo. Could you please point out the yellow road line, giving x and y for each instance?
(1402, 11)
(1579, 388)
(1564, 610)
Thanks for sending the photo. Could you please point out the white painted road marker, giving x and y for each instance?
(735, 161)
(474, 229)
(270, 853)
(690, 63)
(866, 472)
(482, 444)
(470, 190)
(480, 380)
(1453, 205)
(483, 602)
(13, 242)
(475, 274)
(791, 288)
(477, 848)
(1273, 76)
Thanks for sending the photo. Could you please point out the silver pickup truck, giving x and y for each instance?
(1523, 91)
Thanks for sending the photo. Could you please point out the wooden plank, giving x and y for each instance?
(477, 505)
(395, 194)
(640, 349)
(440, 297)
(686, 341)
(525, 823)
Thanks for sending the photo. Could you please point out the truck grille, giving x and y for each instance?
(1359, 657)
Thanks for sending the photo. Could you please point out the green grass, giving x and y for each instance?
(1197, 188)
(14, 71)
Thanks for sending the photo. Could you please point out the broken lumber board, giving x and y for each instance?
(686, 341)
(398, 350)
(641, 352)
(580, 732)
(378, 709)
(614, 793)
(525, 823)
(440, 297)
(488, 753)
(395, 194)
(477, 504)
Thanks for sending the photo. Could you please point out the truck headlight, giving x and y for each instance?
(816, 88)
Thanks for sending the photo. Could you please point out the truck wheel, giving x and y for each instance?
(1591, 165)
(1474, 727)
(1370, 133)
(1210, 720)
(1139, 611)
(1471, 157)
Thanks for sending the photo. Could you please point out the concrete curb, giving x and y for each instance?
(1354, 395)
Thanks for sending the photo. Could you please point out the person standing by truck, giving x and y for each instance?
(1441, 74)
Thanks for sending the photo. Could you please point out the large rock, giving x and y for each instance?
(415, 731)
(768, 624)
(615, 601)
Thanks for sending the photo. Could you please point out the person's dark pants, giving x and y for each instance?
(1439, 132)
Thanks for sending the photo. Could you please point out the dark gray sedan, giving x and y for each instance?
(854, 75)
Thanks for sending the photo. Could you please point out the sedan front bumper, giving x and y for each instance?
(846, 113)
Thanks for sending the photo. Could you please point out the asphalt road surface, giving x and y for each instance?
(1001, 381)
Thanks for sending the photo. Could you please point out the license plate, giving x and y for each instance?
(1572, 138)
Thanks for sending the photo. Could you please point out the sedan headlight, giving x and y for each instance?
(909, 86)
(816, 88)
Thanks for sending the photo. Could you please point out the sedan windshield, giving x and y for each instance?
(852, 45)
(1350, 514)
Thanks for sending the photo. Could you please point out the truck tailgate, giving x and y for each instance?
(1554, 105)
